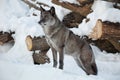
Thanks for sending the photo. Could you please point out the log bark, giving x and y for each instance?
(5, 37)
(83, 10)
(36, 43)
(41, 58)
(84, 2)
(73, 19)
(103, 45)
(107, 31)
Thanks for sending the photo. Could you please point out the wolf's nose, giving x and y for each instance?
(39, 22)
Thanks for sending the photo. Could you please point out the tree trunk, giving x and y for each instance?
(36, 43)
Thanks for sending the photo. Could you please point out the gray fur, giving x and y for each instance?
(62, 40)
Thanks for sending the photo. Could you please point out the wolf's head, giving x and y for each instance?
(48, 17)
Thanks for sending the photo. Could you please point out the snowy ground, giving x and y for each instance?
(16, 61)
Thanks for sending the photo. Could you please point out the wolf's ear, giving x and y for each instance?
(52, 11)
(41, 8)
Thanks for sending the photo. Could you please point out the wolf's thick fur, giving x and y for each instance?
(64, 41)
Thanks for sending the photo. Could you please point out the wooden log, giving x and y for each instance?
(5, 37)
(103, 45)
(83, 10)
(41, 58)
(84, 2)
(107, 31)
(114, 42)
(31, 4)
(36, 43)
(104, 30)
(43, 4)
(73, 19)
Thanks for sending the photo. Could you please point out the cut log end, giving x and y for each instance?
(29, 42)
(36, 43)
(1, 43)
(97, 31)
(107, 31)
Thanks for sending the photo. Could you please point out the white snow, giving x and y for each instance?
(16, 61)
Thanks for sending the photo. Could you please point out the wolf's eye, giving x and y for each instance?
(45, 16)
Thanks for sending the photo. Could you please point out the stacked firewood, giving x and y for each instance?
(6, 37)
(105, 35)
(38, 44)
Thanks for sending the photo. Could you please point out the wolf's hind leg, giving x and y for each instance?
(54, 52)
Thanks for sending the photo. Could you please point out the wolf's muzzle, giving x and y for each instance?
(39, 22)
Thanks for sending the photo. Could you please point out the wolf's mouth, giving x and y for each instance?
(44, 24)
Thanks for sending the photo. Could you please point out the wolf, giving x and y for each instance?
(64, 41)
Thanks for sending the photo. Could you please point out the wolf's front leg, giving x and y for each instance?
(61, 58)
(54, 52)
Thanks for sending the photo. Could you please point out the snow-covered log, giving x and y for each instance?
(30, 4)
(84, 2)
(73, 19)
(83, 10)
(107, 31)
(6, 37)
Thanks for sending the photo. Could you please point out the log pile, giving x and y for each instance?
(6, 37)
(84, 9)
(38, 43)
(106, 34)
